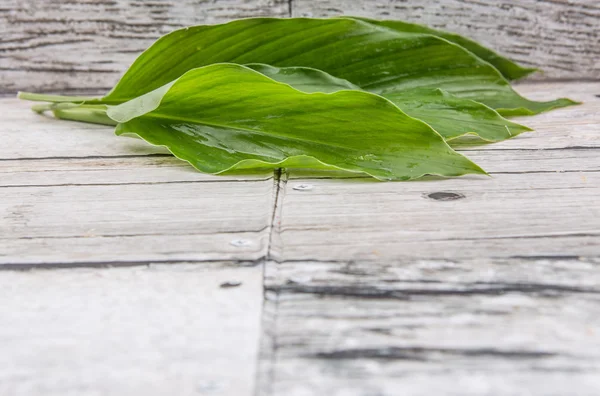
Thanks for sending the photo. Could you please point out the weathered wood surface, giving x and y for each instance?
(560, 37)
(371, 288)
(479, 327)
(157, 330)
(57, 45)
(77, 195)
(397, 288)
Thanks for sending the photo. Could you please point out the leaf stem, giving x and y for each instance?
(35, 97)
(84, 114)
(40, 108)
(95, 114)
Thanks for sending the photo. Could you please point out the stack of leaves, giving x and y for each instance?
(377, 97)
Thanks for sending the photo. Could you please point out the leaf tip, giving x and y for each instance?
(478, 170)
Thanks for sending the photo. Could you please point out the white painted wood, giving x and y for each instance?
(507, 215)
(560, 37)
(381, 289)
(479, 327)
(75, 195)
(158, 330)
(59, 45)
(159, 221)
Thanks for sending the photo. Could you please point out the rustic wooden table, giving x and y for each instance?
(146, 277)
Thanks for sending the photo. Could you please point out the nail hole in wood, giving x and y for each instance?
(445, 196)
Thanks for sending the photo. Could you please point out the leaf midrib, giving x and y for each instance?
(238, 128)
(167, 117)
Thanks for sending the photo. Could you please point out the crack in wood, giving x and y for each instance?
(119, 264)
(133, 183)
(151, 155)
(427, 354)
(267, 359)
(577, 147)
(279, 178)
(467, 289)
(129, 235)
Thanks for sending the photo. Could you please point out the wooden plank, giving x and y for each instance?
(132, 223)
(109, 170)
(560, 37)
(76, 195)
(464, 286)
(480, 327)
(154, 330)
(521, 214)
(57, 45)
(159, 221)
(32, 136)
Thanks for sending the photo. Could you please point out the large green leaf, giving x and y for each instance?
(227, 116)
(508, 68)
(377, 59)
(449, 115)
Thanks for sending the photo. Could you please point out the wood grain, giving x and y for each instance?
(58, 45)
(34, 136)
(77, 195)
(114, 224)
(154, 330)
(560, 37)
(449, 327)
(468, 286)
(489, 285)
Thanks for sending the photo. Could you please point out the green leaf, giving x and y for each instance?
(449, 115)
(508, 68)
(225, 116)
(454, 117)
(377, 59)
(305, 79)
